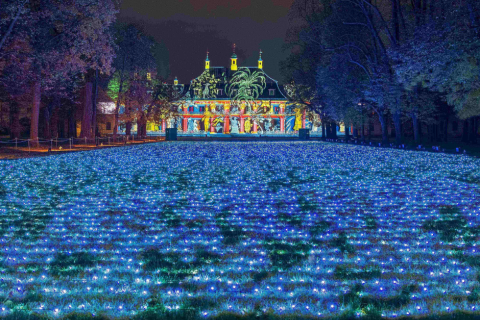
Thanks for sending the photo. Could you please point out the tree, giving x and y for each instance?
(440, 54)
(134, 57)
(66, 39)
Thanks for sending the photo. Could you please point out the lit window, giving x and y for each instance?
(271, 92)
(190, 109)
(149, 76)
(201, 109)
(220, 92)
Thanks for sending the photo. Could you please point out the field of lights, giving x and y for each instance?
(303, 228)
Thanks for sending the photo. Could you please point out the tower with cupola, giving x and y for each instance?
(233, 65)
(260, 61)
(207, 62)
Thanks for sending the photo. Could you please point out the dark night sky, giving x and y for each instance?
(186, 28)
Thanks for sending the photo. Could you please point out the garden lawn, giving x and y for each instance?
(299, 228)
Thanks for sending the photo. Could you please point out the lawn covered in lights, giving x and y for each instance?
(299, 228)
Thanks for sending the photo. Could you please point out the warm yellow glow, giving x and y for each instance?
(234, 64)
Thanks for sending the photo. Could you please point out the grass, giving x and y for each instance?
(371, 222)
(66, 263)
(450, 225)
(172, 219)
(370, 307)
(231, 234)
(319, 228)
(348, 274)
(284, 255)
(291, 219)
(172, 267)
(156, 312)
(341, 242)
(259, 276)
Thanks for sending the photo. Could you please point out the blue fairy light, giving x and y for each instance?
(401, 190)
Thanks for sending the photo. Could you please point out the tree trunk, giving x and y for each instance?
(72, 128)
(46, 127)
(395, 20)
(445, 129)
(94, 104)
(416, 135)
(87, 112)
(355, 133)
(473, 133)
(347, 133)
(383, 123)
(54, 124)
(465, 131)
(398, 127)
(323, 130)
(334, 129)
(363, 132)
(37, 95)
(14, 120)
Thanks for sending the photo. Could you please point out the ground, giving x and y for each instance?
(299, 228)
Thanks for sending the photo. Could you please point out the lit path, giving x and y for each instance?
(220, 214)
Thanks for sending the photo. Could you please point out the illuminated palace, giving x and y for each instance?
(234, 100)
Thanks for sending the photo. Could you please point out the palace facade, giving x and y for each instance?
(234, 100)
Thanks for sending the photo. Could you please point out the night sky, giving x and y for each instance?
(187, 28)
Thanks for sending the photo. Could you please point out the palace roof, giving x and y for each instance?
(272, 90)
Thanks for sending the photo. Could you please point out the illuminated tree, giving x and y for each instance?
(66, 39)
(134, 57)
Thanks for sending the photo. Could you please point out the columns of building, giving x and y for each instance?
(255, 107)
(185, 119)
(164, 125)
(304, 117)
(282, 118)
(226, 128)
(242, 120)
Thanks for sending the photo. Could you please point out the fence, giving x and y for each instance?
(73, 142)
